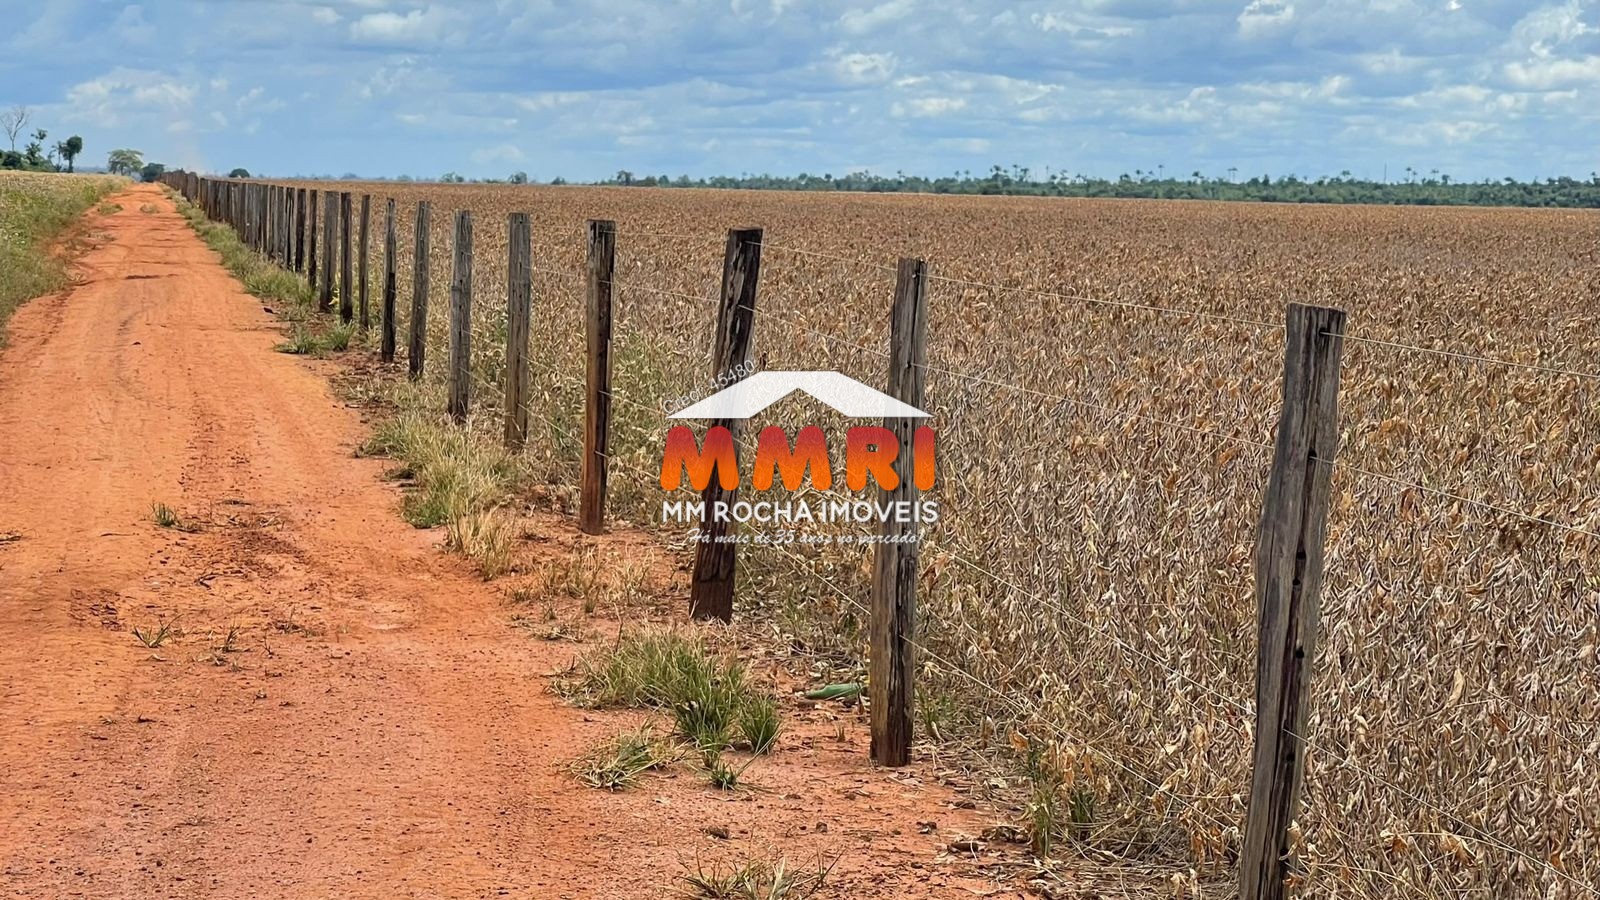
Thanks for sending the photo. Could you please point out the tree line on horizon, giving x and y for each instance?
(1420, 189)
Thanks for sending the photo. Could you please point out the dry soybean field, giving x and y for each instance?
(1104, 379)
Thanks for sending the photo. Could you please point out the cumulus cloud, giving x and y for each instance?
(860, 21)
(1262, 18)
(418, 26)
(864, 68)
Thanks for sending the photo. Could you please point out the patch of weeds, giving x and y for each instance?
(166, 517)
(1045, 781)
(108, 208)
(155, 637)
(759, 723)
(665, 669)
(485, 537)
(616, 764)
(455, 471)
(722, 775)
(163, 515)
(936, 709)
(306, 338)
(149, 209)
(302, 341)
(577, 576)
(594, 580)
(551, 627)
(755, 880)
(287, 624)
(338, 336)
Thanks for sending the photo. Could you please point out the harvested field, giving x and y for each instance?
(1104, 377)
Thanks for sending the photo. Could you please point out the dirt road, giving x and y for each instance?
(373, 727)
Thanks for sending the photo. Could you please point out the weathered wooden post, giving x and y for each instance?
(1288, 576)
(417, 348)
(390, 240)
(362, 262)
(597, 376)
(300, 229)
(311, 235)
(711, 594)
(460, 371)
(519, 310)
(330, 214)
(286, 227)
(894, 564)
(347, 293)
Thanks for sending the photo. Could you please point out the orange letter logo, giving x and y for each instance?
(870, 450)
(683, 455)
(773, 453)
(922, 458)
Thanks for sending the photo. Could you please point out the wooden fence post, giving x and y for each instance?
(286, 227)
(1288, 576)
(299, 229)
(417, 349)
(362, 262)
(311, 235)
(280, 231)
(894, 564)
(597, 405)
(460, 372)
(711, 594)
(330, 213)
(390, 239)
(519, 309)
(347, 293)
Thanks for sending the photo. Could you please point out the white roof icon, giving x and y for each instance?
(754, 394)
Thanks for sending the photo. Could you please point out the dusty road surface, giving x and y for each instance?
(346, 712)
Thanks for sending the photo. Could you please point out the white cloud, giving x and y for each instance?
(122, 93)
(419, 26)
(1263, 18)
(927, 107)
(864, 68)
(325, 15)
(861, 21)
(1549, 74)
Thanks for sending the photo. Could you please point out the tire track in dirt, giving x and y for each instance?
(373, 728)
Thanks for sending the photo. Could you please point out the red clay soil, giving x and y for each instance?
(375, 728)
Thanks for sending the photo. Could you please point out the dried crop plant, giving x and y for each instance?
(1102, 459)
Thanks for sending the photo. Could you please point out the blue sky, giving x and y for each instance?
(1473, 88)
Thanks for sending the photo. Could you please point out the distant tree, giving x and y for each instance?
(239, 173)
(125, 162)
(34, 156)
(69, 149)
(152, 171)
(10, 159)
(518, 178)
(558, 181)
(451, 178)
(13, 120)
(624, 177)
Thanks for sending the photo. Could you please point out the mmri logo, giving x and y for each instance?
(871, 452)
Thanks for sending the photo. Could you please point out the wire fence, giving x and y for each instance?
(1086, 594)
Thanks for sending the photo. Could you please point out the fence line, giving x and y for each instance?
(281, 222)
